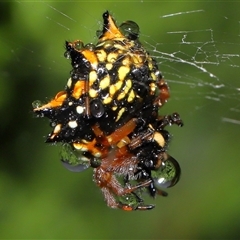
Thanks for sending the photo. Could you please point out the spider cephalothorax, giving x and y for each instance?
(107, 116)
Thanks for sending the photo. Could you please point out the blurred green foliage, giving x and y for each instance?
(40, 199)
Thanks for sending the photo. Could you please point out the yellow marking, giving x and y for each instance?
(154, 77)
(159, 139)
(108, 44)
(126, 61)
(126, 89)
(136, 59)
(85, 141)
(109, 139)
(97, 154)
(56, 130)
(112, 90)
(114, 108)
(92, 77)
(118, 85)
(109, 66)
(112, 57)
(107, 100)
(131, 96)
(150, 125)
(150, 66)
(120, 114)
(153, 87)
(101, 55)
(119, 46)
(100, 44)
(88, 147)
(104, 83)
(93, 93)
(122, 72)
(69, 82)
(123, 142)
(121, 95)
(129, 83)
(80, 146)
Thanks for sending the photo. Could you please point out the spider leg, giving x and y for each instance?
(138, 207)
(169, 120)
(113, 203)
(141, 206)
(112, 189)
(164, 93)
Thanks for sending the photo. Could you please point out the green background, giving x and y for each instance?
(41, 199)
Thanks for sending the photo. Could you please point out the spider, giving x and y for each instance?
(107, 117)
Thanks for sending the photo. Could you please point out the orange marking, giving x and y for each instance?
(163, 94)
(100, 136)
(90, 56)
(122, 132)
(115, 137)
(56, 102)
(79, 89)
(127, 208)
(122, 152)
(88, 147)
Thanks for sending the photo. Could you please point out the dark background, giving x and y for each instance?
(40, 199)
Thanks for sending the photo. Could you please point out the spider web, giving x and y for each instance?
(200, 60)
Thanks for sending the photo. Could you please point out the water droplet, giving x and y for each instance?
(73, 160)
(67, 54)
(95, 162)
(74, 168)
(129, 200)
(130, 29)
(37, 104)
(90, 46)
(97, 108)
(78, 45)
(99, 33)
(168, 174)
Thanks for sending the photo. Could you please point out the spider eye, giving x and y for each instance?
(168, 174)
(130, 30)
(96, 108)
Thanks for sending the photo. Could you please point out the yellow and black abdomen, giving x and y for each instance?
(111, 82)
